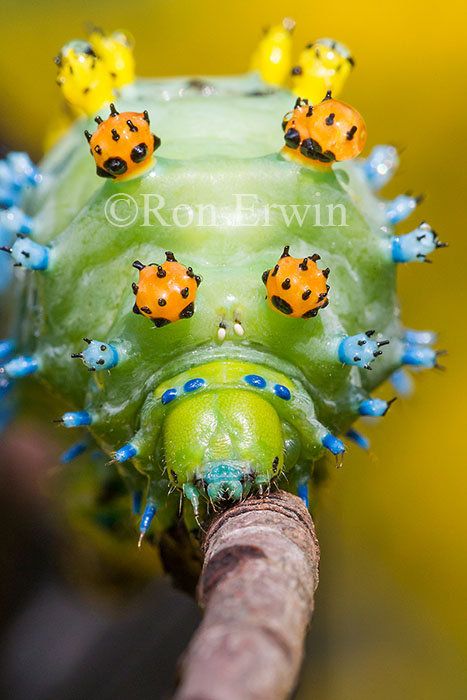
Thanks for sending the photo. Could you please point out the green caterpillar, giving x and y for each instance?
(241, 376)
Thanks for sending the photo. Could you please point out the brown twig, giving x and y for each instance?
(257, 585)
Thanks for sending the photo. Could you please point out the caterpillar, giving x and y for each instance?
(217, 317)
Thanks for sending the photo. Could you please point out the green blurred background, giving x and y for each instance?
(391, 610)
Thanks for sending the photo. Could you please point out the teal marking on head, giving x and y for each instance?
(223, 482)
(222, 472)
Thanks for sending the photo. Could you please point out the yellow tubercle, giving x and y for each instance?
(83, 78)
(90, 71)
(116, 52)
(273, 56)
(323, 65)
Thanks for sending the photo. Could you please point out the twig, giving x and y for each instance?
(257, 585)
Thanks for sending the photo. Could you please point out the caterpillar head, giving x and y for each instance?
(123, 144)
(323, 65)
(296, 286)
(243, 446)
(83, 78)
(165, 293)
(321, 134)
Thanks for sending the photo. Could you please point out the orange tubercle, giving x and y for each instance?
(122, 145)
(296, 287)
(165, 293)
(322, 134)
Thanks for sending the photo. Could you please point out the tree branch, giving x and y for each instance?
(259, 576)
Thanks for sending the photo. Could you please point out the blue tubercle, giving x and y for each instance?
(146, 520)
(401, 207)
(14, 220)
(20, 366)
(136, 498)
(333, 444)
(416, 245)
(28, 253)
(8, 196)
(380, 166)
(358, 438)
(76, 419)
(98, 355)
(416, 352)
(126, 452)
(420, 356)
(74, 451)
(402, 382)
(7, 348)
(6, 270)
(413, 337)
(302, 490)
(360, 350)
(374, 407)
(22, 171)
(17, 172)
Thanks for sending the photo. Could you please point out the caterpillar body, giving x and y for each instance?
(236, 295)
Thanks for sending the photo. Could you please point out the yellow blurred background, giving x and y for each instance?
(391, 609)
